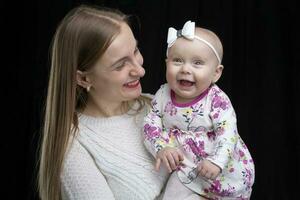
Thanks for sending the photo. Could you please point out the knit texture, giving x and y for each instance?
(107, 160)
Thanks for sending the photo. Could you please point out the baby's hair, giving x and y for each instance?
(212, 38)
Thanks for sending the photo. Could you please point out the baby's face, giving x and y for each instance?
(191, 68)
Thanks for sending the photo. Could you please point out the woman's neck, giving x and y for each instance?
(105, 109)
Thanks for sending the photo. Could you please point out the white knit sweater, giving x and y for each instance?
(108, 161)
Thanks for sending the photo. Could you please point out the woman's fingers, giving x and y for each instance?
(170, 157)
(176, 158)
(180, 154)
(172, 161)
(157, 164)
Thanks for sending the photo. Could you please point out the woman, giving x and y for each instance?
(92, 146)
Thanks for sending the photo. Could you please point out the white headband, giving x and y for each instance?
(188, 32)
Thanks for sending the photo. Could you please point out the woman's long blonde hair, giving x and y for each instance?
(80, 40)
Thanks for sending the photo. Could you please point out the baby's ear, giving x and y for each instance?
(218, 73)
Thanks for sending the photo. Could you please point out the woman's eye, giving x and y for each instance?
(119, 66)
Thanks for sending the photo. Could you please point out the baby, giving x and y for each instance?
(192, 128)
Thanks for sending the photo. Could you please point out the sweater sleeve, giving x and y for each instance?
(225, 128)
(80, 178)
(156, 135)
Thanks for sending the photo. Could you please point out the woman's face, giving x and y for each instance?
(116, 76)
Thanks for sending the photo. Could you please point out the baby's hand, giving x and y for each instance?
(208, 170)
(170, 156)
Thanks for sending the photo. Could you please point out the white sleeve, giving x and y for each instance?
(81, 179)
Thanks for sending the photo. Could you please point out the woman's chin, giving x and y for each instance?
(132, 93)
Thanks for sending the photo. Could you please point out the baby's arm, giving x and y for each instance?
(224, 129)
(208, 169)
(157, 139)
(156, 136)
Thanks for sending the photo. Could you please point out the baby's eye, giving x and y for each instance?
(177, 60)
(198, 62)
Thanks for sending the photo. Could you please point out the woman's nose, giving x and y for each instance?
(137, 69)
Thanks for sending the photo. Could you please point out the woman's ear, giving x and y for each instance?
(218, 73)
(83, 80)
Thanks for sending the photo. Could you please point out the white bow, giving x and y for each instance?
(188, 31)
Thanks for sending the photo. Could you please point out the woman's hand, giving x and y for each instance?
(170, 156)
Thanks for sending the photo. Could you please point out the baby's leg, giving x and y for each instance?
(175, 190)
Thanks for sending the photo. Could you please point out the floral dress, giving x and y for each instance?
(203, 129)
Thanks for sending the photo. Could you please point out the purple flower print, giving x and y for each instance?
(197, 149)
(175, 131)
(170, 109)
(219, 102)
(211, 135)
(216, 189)
(241, 153)
(242, 198)
(151, 131)
(216, 115)
(248, 181)
(243, 157)
(220, 130)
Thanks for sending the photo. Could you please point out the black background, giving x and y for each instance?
(261, 57)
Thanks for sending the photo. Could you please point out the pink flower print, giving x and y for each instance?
(220, 130)
(201, 145)
(211, 135)
(243, 157)
(247, 174)
(170, 109)
(242, 198)
(215, 187)
(218, 102)
(216, 115)
(193, 146)
(151, 131)
(241, 153)
(175, 131)
(206, 190)
(197, 149)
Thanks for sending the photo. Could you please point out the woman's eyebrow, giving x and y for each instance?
(123, 58)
